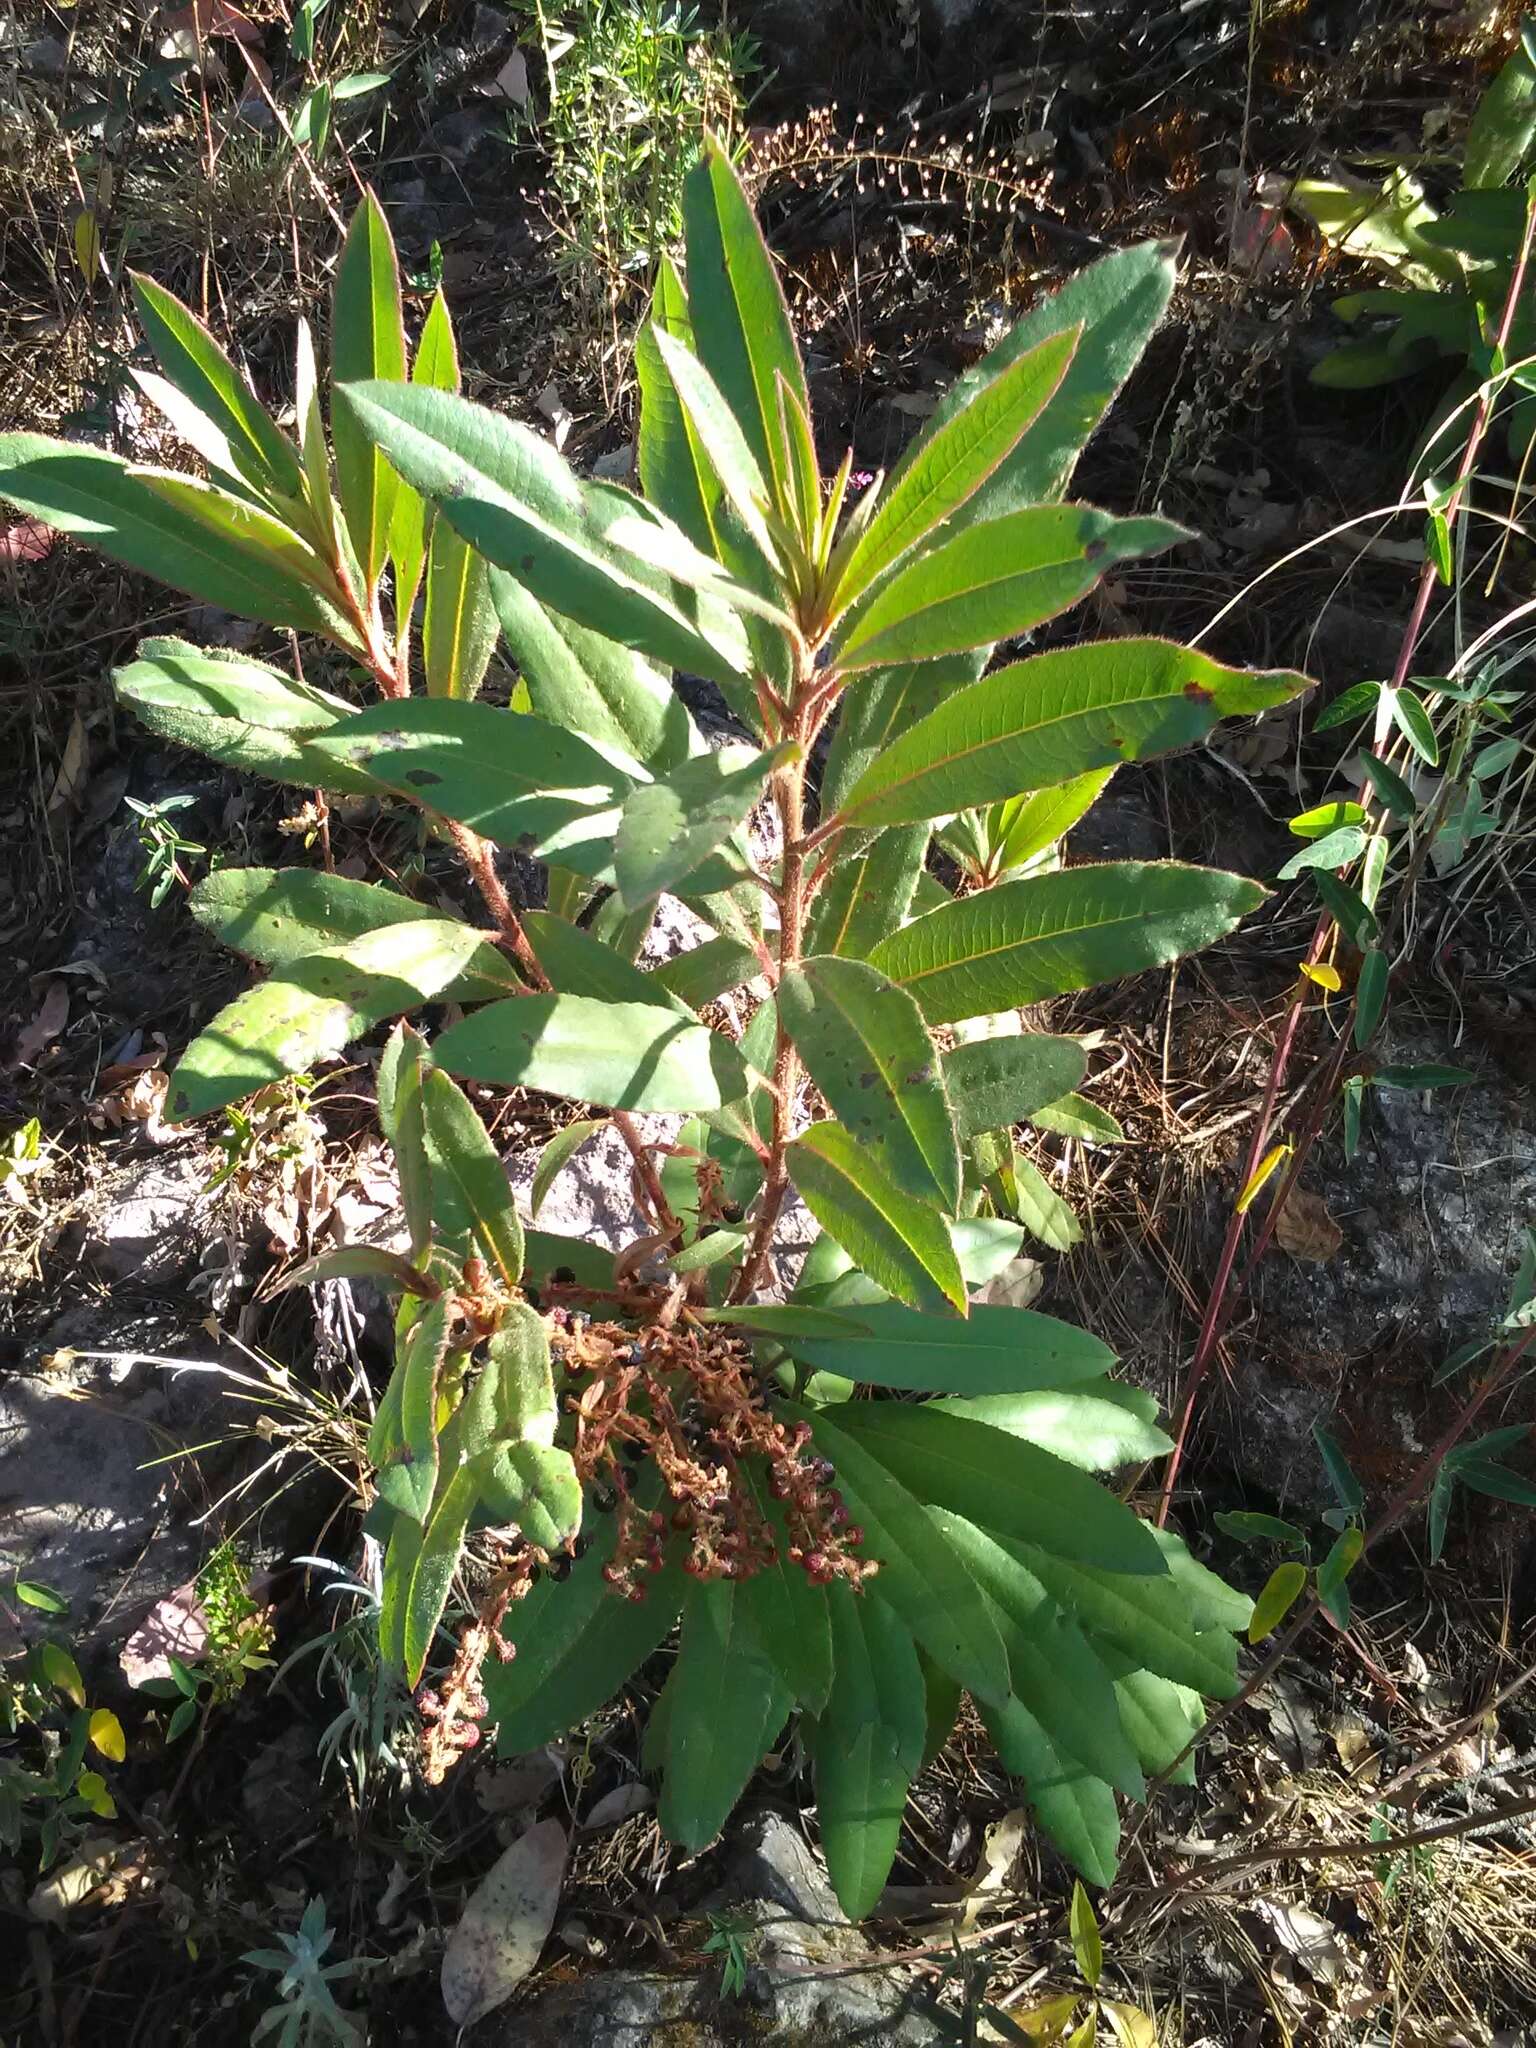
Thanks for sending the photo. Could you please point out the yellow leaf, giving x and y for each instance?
(107, 1735)
(1275, 1157)
(92, 1788)
(1325, 976)
(1132, 2027)
(1276, 1600)
(87, 245)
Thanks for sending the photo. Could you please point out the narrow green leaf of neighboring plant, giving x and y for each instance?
(1347, 907)
(1336, 1568)
(1003, 1483)
(1354, 1100)
(615, 1055)
(1357, 702)
(867, 1049)
(561, 1148)
(1048, 934)
(741, 324)
(1041, 1210)
(724, 1707)
(1087, 1945)
(1333, 850)
(1281, 1591)
(402, 1443)
(954, 461)
(1074, 1116)
(921, 1576)
(367, 341)
(1347, 1490)
(991, 581)
(868, 1747)
(900, 1242)
(1428, 1075)
(1256, 1528)
(1325, 818)
(60, 1670)
(442, 1543)
(1370, 996)
(119, 511)
(44, 1598)
(1485, 1475)
(1391, 790)
(312, 1009)
(1051, 719)
(1437, 546)
(200, 369)
(1440, 1512)
(282, 915)
(461, 1151)
(666, 828)
(1412, 721)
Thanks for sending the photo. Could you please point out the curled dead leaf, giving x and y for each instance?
(174, 1627)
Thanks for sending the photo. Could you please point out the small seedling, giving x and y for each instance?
(163, 846)
(306, 2014)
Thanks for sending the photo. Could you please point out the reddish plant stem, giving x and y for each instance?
(1223, 1296)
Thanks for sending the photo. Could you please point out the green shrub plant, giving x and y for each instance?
(866, 1499)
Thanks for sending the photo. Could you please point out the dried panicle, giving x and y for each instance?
(691, 1402)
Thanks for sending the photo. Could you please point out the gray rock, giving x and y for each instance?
(82, 1506)
(146, 1232)
(812, 1980)
(46, 58)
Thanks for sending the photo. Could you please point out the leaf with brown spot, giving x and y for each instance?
(505, 1924)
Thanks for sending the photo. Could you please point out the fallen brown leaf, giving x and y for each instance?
(49, 1019)
(505, 1924)
(1305, 1229)
(174, 1627)
(69, 783)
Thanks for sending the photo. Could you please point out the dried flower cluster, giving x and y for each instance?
(740, 1487)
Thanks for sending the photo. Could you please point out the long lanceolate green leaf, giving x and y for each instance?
(236, 711)
(868, 1747)
(668, 827)
(722, 1707)
(618, 1055)
(954, 462)
(97, 498)
(1053, 718)
(991, 581)
(367, 341)
(193, 361)
(1043, 936)
(898, 1240)
(591, 551)
(877, 709)
(584, 682)
(313, 1008)
(280, 915)
(1075, 1808)
(437, 366)
(867, 1049)
(868, 893)
(741, 324)
(1117, 304)
(994, 1351)
(461, 1153)
(921, 1577)
(513, 778)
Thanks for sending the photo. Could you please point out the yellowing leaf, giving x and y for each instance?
(87, 237)
(1325, 976)
(1274, 1158)
(1275, 1602)
(106, 1733)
